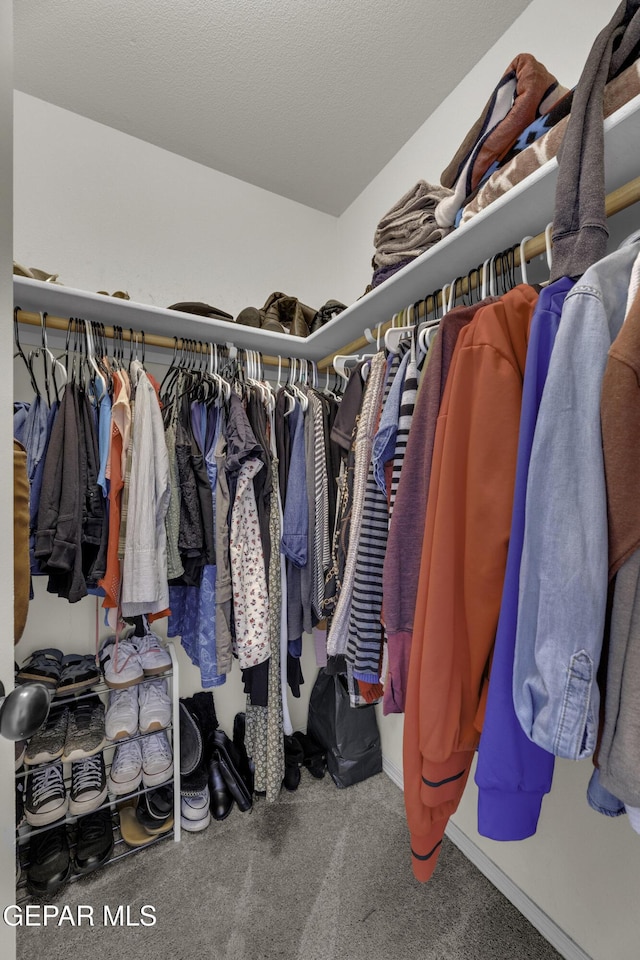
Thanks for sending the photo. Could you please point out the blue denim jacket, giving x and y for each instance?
(563, 574)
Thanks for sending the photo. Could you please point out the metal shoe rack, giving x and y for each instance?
(120, 848)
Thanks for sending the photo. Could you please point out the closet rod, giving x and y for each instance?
(616, 201)
(150, 339)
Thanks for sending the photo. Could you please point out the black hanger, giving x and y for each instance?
(20, 352)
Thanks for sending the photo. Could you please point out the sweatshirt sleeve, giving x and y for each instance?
(513, 774)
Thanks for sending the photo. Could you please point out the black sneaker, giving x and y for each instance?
(49, 862)
(47, 743)
(46, 799)
(155, 810)
(78, 672)
(19, 802)
(88, 785)
(85, 733)
(94, 841)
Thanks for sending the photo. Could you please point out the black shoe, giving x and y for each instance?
(155, 809)
(20, 818)
(229, 762)
(221, 801)
(43, 666)
(203, 710)
(78, 672)
(49, 862)
(315, 758)
(95, 840)
(293, 759)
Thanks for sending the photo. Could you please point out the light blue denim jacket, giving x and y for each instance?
(563, 574)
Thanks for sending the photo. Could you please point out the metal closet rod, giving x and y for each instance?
(150, 339)
(625, 196)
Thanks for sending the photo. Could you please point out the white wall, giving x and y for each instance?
(560, 35)
(110, 212)
(7, 815)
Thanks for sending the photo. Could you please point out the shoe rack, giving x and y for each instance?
(25, 831)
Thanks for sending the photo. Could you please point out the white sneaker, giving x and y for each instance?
(121, 720)
(121, 663)
(155, 706)
(126, 768)
(157, 759)
(153, 656)
(194, 811)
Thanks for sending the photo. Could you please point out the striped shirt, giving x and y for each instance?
(366, 633)
(407, 406)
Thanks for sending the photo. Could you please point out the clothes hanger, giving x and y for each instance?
(395, 334)
(523, 259)
(222, 385)
(20, 352)
(339, 365)
(51, 365)
(446, 287)
(369, 336)
(547, 243)
(170, 375)
(91, 359)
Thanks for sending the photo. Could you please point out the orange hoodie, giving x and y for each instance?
(464, 555)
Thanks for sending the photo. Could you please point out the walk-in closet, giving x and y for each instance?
(319, 371)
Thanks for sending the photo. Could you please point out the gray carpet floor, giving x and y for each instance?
(322, 874)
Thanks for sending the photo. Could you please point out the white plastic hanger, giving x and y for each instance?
(224, 388)
(339, 364)
(395, 334)
(547, 241)
(523, 259)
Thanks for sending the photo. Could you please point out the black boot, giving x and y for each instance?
(221, 801)
(229, 763)
(293, 759)
(204, 711)
(315, 758)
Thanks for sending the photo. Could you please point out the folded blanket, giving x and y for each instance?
(619, 91)
(526, 90)
(535, 130)
(383, 273)
(409, 227)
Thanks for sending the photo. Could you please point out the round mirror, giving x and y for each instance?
(24, 710)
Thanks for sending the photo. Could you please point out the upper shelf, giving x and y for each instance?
(524, 210)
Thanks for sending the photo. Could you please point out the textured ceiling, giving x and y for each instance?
(307, 99)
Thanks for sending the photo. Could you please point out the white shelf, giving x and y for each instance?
(526, 209)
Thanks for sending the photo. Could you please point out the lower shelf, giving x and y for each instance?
(120, 851)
